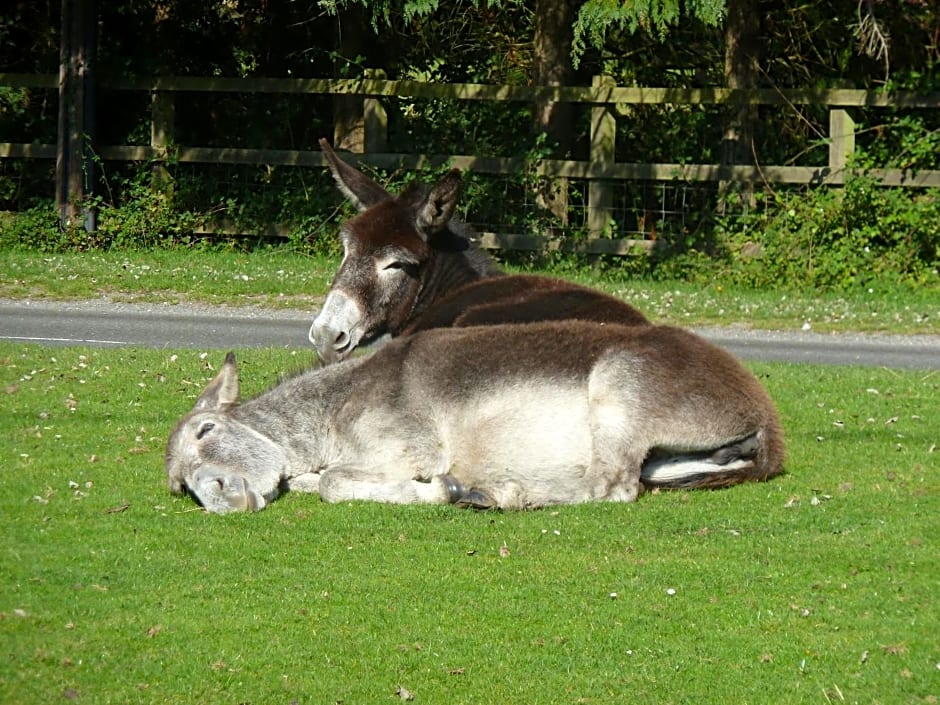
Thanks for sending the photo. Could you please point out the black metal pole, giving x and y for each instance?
(62, 139)
(75, 172)
(89, 32)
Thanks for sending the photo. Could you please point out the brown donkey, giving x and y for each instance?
(503, 416)
(408, 265)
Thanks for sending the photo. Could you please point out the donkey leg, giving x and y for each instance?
(507, 493)
(618, 480)
(618, 443)
(726, 465)
(476, 499)
(745, 449)
(457, 494)
(345, 484)
(238, 496)
(220, 492)
(306, 482)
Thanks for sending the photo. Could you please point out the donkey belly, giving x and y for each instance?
(526, 446)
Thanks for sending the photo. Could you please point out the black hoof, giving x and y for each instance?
(454, 489)
(476, 499)
(745, 449)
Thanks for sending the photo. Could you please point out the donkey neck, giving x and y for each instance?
(298, 413)
(445, 271)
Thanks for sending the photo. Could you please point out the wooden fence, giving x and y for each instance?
(601, 170)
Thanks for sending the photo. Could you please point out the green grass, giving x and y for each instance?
(274, 278)
(819, 586)
(278, 278)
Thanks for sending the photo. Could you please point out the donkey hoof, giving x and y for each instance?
(239, 497)
(745, 449)
(476, 499)
(454, 489)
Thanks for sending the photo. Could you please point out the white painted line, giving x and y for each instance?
(64, 340)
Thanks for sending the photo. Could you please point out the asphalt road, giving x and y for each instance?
(106, 324)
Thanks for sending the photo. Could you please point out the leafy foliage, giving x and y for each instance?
(857, 236)
(596, 18)
(35, 228)
(144, 216)
(809, 45)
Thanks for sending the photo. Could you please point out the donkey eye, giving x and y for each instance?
(399, 265)
(204, 429)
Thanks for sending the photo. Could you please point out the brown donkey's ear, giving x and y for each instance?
(223, 390)
(358, 188)
(438, 208)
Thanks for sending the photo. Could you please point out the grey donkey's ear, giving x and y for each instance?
(361, 191)
(438, 208)
(223, 390)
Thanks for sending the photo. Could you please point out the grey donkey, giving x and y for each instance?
(506, 416)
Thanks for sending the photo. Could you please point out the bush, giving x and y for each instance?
(821, 237)
(147, 220)
(839, 238)
(34, 229)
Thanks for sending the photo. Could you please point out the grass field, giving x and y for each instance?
(280, 278)
(820, 586)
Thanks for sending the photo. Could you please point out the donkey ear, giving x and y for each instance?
(223, 390)
(438, 208)
(361, 191)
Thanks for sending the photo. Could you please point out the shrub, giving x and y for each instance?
(839, 238)
(35, 229)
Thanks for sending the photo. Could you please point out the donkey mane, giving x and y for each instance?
(460, 240)
(455, 238)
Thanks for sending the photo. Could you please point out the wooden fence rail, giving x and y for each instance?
(607, 101)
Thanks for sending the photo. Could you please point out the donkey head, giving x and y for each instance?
(224, 464)
(385, 250)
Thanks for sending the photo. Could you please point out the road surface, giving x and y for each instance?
(102, 323)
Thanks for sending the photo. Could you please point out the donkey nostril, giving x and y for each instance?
(341, 342)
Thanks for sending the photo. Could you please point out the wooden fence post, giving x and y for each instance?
(603, 142)
(75, 166)
(360, 125)
(162, 115)
(841, 142)
(374, 118)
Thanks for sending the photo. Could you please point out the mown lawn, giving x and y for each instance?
(280, 278)
(819, 586)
